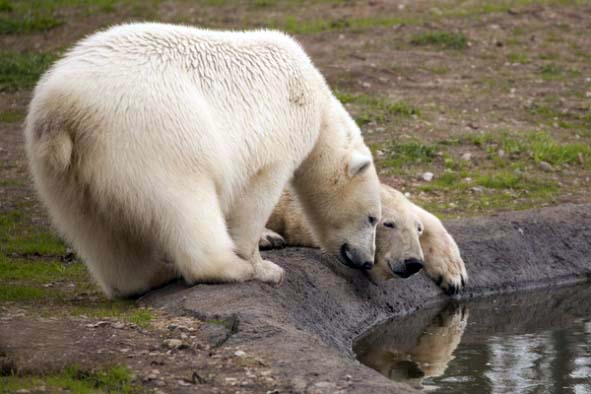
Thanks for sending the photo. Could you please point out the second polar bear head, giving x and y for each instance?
(399, 252)
(340, 192)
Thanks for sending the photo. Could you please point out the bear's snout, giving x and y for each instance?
(350, 258)
(406, 268)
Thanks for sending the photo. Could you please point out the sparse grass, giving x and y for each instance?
(520, 58)
(28, 24)
(376, 109)
(551, 71)
(544, 148)
(21, 70)
(12, 116)
(116, 379)
(17, 237)
(398, 155)
(443, 39)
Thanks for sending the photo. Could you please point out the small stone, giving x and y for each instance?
(239, 353)
(427, 176)
(174, 343)
(98, 324)
(477, 189)
(118, 325)
(184, 383)
(501, 153)
(545, 166)
(184, 336)
(22, 391)
(467, 156)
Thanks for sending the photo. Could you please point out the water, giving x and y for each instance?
(538, 342)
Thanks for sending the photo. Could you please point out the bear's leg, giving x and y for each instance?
(248, 217)
(195, 236)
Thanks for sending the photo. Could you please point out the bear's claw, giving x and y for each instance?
(271, 240)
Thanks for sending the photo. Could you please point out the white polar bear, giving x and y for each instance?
(162, 149)
(408, 239)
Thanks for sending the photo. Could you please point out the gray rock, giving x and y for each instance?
(545, 166)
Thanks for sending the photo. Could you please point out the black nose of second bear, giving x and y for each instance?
(412, 266)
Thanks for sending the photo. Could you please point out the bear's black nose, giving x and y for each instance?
(412, 266)
(367, 265)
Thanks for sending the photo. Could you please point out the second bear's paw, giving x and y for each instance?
(271, 240)
(447, 269)
(269, 272)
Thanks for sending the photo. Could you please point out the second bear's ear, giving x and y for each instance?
(357, 164)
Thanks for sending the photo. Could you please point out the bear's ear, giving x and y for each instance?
(357, 164)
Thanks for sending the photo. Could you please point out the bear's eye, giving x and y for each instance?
(390, 224)
(372, 220)
(420, 229)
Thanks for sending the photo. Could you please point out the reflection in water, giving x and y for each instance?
(538, 342)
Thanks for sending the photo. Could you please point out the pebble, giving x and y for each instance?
(477, 189)
(239, 353)
(118, 325)
(98, 324)
(467, 156)
(173, 343)
(501, 153)
(545, 166)
(427, 176)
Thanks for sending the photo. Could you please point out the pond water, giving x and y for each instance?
(535, 342)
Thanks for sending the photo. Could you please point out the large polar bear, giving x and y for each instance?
(162, 149)
(408, 239)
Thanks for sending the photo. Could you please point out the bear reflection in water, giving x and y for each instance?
(412, 355)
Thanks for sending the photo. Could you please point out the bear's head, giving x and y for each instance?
(398, 246)
(339, 190)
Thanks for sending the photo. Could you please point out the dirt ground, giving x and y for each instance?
(491, 97)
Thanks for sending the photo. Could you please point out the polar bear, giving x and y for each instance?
(161, 150)
(408, 239)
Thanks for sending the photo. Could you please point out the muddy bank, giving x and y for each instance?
(305, 328)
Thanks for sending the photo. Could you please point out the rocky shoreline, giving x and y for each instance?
(305, 328)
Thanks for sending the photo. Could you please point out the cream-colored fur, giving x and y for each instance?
(161, 150)
(406, 232)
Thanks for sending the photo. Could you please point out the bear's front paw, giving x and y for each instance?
(450, 275)
(447, 269)
(269, 272)
(271, 240)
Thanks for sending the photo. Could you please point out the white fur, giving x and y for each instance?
(406, 232)
(161, 149)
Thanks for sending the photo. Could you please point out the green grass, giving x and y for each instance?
(39, 271)
(545, 148)
(536, 146)
(376, 109)
(551, 71)
(21, 70)
(116, 379)
(18, 237)
(443, 39)
(520, 58)
(398, 155)
(12, 116)
(28, 24)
